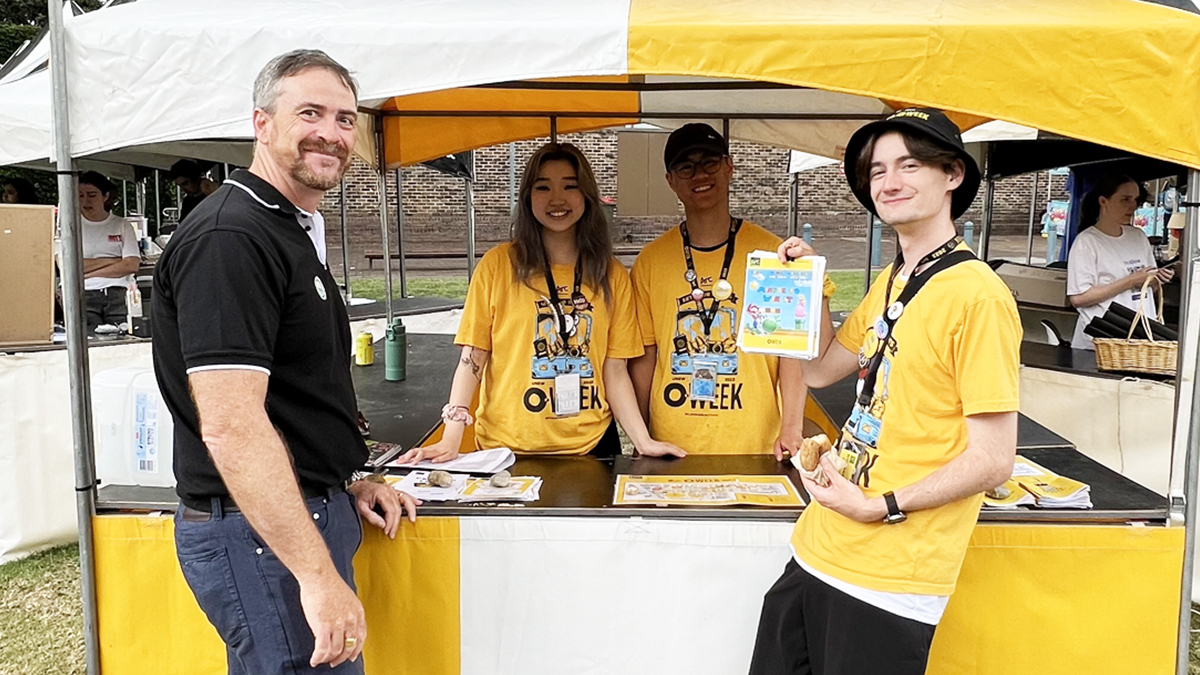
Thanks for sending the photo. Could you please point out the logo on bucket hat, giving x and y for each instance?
(930, 123)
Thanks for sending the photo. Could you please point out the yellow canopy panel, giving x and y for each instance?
(458, 118)
(1116, 72)
(805, 75)
(423, 126)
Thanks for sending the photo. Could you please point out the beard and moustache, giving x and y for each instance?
(308, 178)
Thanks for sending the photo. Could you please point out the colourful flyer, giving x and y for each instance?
(781, 306)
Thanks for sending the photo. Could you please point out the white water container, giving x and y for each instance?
(133, 429)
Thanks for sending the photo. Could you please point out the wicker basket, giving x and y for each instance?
(1138, 356)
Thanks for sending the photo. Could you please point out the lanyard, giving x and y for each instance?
(941, 258)
(708, 314)
(577, 299)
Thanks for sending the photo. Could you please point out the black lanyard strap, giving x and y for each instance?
(708, 314)
(576, 294)
(942, 258)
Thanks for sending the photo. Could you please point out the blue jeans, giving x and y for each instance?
(249, 596)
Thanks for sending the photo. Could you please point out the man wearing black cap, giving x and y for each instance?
(187, 175)
(935, 344)
(700, 392)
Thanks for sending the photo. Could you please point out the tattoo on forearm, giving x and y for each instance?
(468, 361)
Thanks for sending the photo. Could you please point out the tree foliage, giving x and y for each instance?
(12, 36)
(34, 12)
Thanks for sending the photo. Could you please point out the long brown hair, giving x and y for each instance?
(1107, 186)
(592, 239)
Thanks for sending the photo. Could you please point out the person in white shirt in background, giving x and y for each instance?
(1110, 259)
(110, 253)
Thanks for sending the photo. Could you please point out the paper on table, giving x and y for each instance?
(1024, 467)
(416, 484)
(521, 489)
(480, 461)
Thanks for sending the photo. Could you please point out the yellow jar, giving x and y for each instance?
(364, 349)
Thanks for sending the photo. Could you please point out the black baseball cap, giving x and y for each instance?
(930, 123)
(692, 137)
(184, 168)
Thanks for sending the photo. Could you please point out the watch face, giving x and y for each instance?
(893, 518)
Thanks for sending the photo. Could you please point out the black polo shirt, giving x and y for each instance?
(240, 286)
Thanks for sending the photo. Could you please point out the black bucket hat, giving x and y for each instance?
(930, 123)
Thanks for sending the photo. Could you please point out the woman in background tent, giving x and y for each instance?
(1110, 259)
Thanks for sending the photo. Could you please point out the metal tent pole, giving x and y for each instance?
(77, 355)
(1187, 509)
(989, 192)
(1033, 202)
(345, 241)
(400, 234)
(870, 251)
(793, 198)
(157, 205)
(469, 189)
(383, 219)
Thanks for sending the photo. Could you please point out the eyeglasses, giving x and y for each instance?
(708, 164)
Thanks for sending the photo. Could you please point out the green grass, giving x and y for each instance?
(849, 290)
(41, 624)
(439, 287)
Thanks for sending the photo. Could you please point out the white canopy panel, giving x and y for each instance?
(156, 70)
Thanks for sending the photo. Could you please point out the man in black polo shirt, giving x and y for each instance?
(252, 352)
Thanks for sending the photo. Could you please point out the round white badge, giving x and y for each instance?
(895, 310)
(881, 329)
(320, 287)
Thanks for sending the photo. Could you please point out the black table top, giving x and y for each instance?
(403, 412)
(1068, 360)
(583, 487)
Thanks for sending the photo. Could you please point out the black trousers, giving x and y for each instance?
(106, 305)
(610, 443)
(810, 628)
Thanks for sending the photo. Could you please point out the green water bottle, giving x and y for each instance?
(395, 352)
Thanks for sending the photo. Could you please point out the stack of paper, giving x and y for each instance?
(1058, 492)
(1034, 484)
(382, 453)
(480, 461)
(520, 489)
(781, 305)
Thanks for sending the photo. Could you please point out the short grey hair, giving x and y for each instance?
(266, 85)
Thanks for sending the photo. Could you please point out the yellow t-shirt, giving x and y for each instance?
(744, 417)
(957, 353)
(518, 326)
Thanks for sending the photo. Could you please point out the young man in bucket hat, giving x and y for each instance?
(935, 344)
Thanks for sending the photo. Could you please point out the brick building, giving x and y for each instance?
(435, 212)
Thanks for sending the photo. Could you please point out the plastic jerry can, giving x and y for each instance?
(133, 429)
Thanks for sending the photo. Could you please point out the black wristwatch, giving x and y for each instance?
(894, 514)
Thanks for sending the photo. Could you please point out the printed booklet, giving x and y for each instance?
(781, 306)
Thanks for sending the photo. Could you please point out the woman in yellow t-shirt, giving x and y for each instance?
(547, 327)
